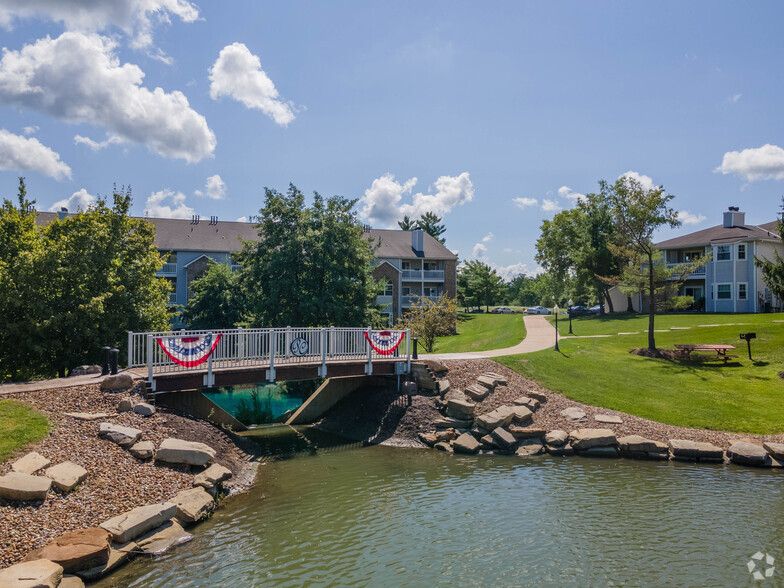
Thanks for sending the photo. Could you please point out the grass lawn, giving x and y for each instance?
(20, 425)
(481, 332)
(743, 396)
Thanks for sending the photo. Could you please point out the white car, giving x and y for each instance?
(502, 310)
(537, 310)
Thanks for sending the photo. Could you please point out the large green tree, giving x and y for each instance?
(429, 319)
(485, 285)
(311, 266)
(218, 300)
(773, 269)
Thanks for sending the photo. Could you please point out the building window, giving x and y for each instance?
(724, 291)
(742, 291)
(388, 290)
(723, 253)
(742, 251)
(173, 292)
(406, 291)
(431, 291)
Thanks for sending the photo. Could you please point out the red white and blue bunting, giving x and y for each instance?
(189, 351)
(384, 342)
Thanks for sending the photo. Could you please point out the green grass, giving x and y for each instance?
(20, 425)
(481, 332)
(743, 396)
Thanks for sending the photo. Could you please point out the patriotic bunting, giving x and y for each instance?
(189, 351)
(384, 342)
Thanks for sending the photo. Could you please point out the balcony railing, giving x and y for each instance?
(700, 271)
(168, 268)
(383, 299)
(431, 275)
(436, 275)
(409, 300)
(412, 274)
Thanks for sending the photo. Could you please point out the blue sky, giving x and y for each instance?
(494, 115)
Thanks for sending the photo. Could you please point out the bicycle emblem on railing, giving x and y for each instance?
(189, 351)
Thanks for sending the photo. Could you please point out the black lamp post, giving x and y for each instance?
(555, 310)
(570, 316)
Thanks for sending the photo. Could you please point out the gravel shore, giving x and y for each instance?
(116, 481)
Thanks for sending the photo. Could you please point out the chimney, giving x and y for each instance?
(734, 217)
(62, 213)
(418, 241)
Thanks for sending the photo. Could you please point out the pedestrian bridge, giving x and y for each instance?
(191, 359)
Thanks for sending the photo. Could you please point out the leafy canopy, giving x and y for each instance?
(429, 319)
(773, 269)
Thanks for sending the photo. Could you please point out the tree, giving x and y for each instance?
(310, 266)
(637, 212)
(407, 224)
(773, 269)
(430, 224)
(484, 283)
(429, 319)
(218, 300)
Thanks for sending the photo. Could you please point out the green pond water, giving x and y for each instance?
(336, 513)
(275, 397)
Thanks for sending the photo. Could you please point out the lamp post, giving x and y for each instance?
(555, 310)
(570, 316)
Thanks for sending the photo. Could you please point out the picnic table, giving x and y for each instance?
(706, 351)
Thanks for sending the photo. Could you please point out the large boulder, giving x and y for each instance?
(556, 438)
(531, 403)
(503, 438)
(133, 523)
(193, 505)
(144, 409)
(85, 370)
(142, 449)
(446, 435)
(216, 474)
(521, 414)
(40, 573)
(160, 540)
(126, 404)
(449, 423)
(71, 582)
(584, 439)
(184, 452)
(537, 396)
(476, 392)
(573, 414)
(118, 555)
(744, 453)
(117, 383)
(87, 416)
(500, 417)
(16, 486)
(687, 450)
(498, 378)
(635, 446)
(30, 463)
(428, 439)
(488, 382)
(77, 550)
(530, 447)
(460, 409)
(123, 436)
(775, 449)
(560, 450)
(607, 419)
(66, 475)
(466, 443)
(527, 432)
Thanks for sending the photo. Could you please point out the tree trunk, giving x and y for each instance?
(651, 304)
(61, 372)
(629, 304)
(608, 298)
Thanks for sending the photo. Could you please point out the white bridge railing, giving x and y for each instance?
(238, 348)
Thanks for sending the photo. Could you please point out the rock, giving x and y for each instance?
(466, 443)
(446, 435)
(126, 404)
(40, 573)
(118, 555)
(573, 414)
(499, 379)
(460, 409)
(85, 370)
(531, 403)
(602, 451)
(556, 438)
(487, 442)
(16, 486)
(529, 448)
(66, 476)
(193, 505)
(684, 449)
(449, 422)
(744, 453)
(30, 463)
(428, 439)
(443, 386)
(583, 439)
(476, 392)
(77, 550)
(144, 409)
(521, 414)
(87, 416)
(123, 436)
(443, 446)
(71, 582)
(117, 383)
(609, 419)
(142, 450)
(637, 444)
(479, 432)
(560, 450)
(488, 382)
(216, 474)
(184, 452)
(133, 523)
(527, 432)
(537, 396)
(775, 449)
(503, 438)
(160, 540)
(499, 417)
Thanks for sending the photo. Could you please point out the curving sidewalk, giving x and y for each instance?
(540, 334)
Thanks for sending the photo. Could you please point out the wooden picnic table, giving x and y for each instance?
(720, 350)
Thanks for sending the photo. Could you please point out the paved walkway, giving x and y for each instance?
(56, 383)
(540, 334)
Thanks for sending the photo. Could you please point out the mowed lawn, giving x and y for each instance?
(20, 425)
(743, 396)
(481, 332)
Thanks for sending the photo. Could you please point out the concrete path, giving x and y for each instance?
(540, 334)
(56, 383)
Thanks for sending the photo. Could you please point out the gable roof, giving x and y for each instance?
(722, 234)
(395, 243)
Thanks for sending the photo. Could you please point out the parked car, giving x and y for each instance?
(476, 310)
(502, 310)
(596, 309)
(537, 310)
(579, 310)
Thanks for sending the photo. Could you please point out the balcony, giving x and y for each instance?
(168, 268)
(428, 275)
(412, 274)
(700, 271)
(434, 275)
(382, 300)
(409, 300)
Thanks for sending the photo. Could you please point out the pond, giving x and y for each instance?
(262, 403)
(336, 513)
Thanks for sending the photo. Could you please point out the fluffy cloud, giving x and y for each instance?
(479, 251)
(168, 204)
(762, 163)
(645, 181)
(96, 145)
(80, 200)
(382, 201)
(688, 218)
(566, 192)
(237, 73)
(551, 205)
(487, 238)
(525, 202)
(134, 17)
(510, 272)
(214, 188)
(31, 130)
(78, 78)
(19, 153)
(242, 219)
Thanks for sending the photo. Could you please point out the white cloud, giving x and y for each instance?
(214, 188)
(382, 201)
(551, 205)
(78, 78)
(96, 145)
(31, 130)
(242, 219)
(507, 250)
(487, 238)
(509, 272)
(80, 200)
(736, 97)
(479, 251)
(168, 204)
(688, 218)
(525, 202)
(135, 17)
(19, 153)
(566, 192)
(761, 163)
(646, 183)
(237, 73)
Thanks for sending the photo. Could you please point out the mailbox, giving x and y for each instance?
(748, 336)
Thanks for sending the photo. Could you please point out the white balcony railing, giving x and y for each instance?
(700, 271)
(409, 300)
(435, 275)
(412, 274)
(168, 268)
